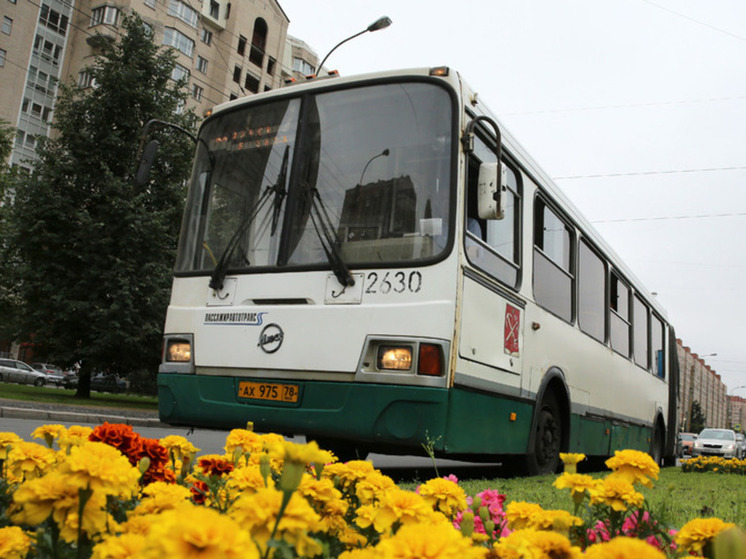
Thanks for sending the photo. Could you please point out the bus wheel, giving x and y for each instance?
(544, 458)
(656, 445)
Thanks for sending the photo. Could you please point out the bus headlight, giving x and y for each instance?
(395, 358)
(178, 351)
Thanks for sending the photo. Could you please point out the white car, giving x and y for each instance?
(717, 442)
(12, 370)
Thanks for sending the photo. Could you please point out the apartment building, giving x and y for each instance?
(700, 383)
(225, 49)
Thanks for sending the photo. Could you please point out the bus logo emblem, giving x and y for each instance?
(271, 338)
(512, 325)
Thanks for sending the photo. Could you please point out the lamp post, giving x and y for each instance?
(380, 23)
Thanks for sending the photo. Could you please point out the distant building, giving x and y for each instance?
(737, 413)
(225, 50)
(700, 383)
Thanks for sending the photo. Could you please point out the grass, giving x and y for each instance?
(676, 497)
(67, 397)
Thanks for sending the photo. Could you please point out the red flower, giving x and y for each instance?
(215, 466)
(199, 491)
(121, 437)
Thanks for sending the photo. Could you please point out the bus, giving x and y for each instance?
(374, 262)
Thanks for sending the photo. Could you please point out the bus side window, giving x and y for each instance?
(474, 225)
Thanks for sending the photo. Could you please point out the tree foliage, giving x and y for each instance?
(93, 252)
(699, 420)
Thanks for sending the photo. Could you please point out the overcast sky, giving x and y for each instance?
(636, 108)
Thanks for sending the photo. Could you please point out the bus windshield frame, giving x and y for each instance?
(363, 174)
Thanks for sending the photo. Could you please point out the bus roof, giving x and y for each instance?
(510, 143)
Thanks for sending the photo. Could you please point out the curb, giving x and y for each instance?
(92, 417)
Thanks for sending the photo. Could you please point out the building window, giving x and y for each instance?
(179, 73)
(47, 50)
(303, 67)
(106, 15)
(237, 74)
(214, 9)
(241, 45)
(7, 25)
(201, 64)
(258, 42)
(271, 66)
(150, 3)
(197, 92)
(2, 57)
(183, 12)
(85, 80)
(53, 19)
(176, 39)
(252, 83)
(206, 37)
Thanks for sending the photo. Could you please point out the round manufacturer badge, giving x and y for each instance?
(271, 338)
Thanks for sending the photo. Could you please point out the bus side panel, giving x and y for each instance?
(359, 413)
(481, 423)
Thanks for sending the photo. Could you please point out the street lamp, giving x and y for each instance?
(380, 23)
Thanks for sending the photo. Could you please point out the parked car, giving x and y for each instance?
(12, 370)
(54, 374)
(102, 382)
(741, 444)
(716, 442)
(684, 444)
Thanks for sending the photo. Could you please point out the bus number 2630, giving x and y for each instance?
(393, 282)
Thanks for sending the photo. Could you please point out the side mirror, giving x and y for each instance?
(146, 162)
(491, 191)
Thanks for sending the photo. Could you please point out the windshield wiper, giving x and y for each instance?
(329, 240)
(278, 189)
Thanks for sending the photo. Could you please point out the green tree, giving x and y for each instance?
(698, 418)
(7, 133)
(95, 252)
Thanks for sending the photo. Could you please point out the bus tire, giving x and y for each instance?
(656, 444)
(544, 458)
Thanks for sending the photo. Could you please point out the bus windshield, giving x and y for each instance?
(364, 173)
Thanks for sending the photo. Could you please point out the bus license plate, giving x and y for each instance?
(268, 391)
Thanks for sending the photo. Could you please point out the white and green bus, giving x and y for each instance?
(375, 263)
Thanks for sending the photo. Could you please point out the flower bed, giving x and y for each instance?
(110, 493)
(715, 464)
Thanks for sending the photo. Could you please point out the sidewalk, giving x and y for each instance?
(53, 413)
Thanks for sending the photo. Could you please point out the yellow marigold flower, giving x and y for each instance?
(426, 540)
(137, 525)
(258, 513)
(634, 466)
(396, 506)
(617, 493)
(697, 533)
(123, 546)
(444, 495)
(368, 489)
(578, 484)
(160, 496)
(197, 532)
(364, 553)
(178, 447)
(536, 544)
(29, 461)
(248, 441)
(559, 521)
(7, 441)
(347, 474)
(247, 478)
(519, 514)
(65, 513)
(101, 468)
(48, 432)
(570, 460)
(34, 499)
(308, 453)
(14, 543)
(73, 436)
(623, 547)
